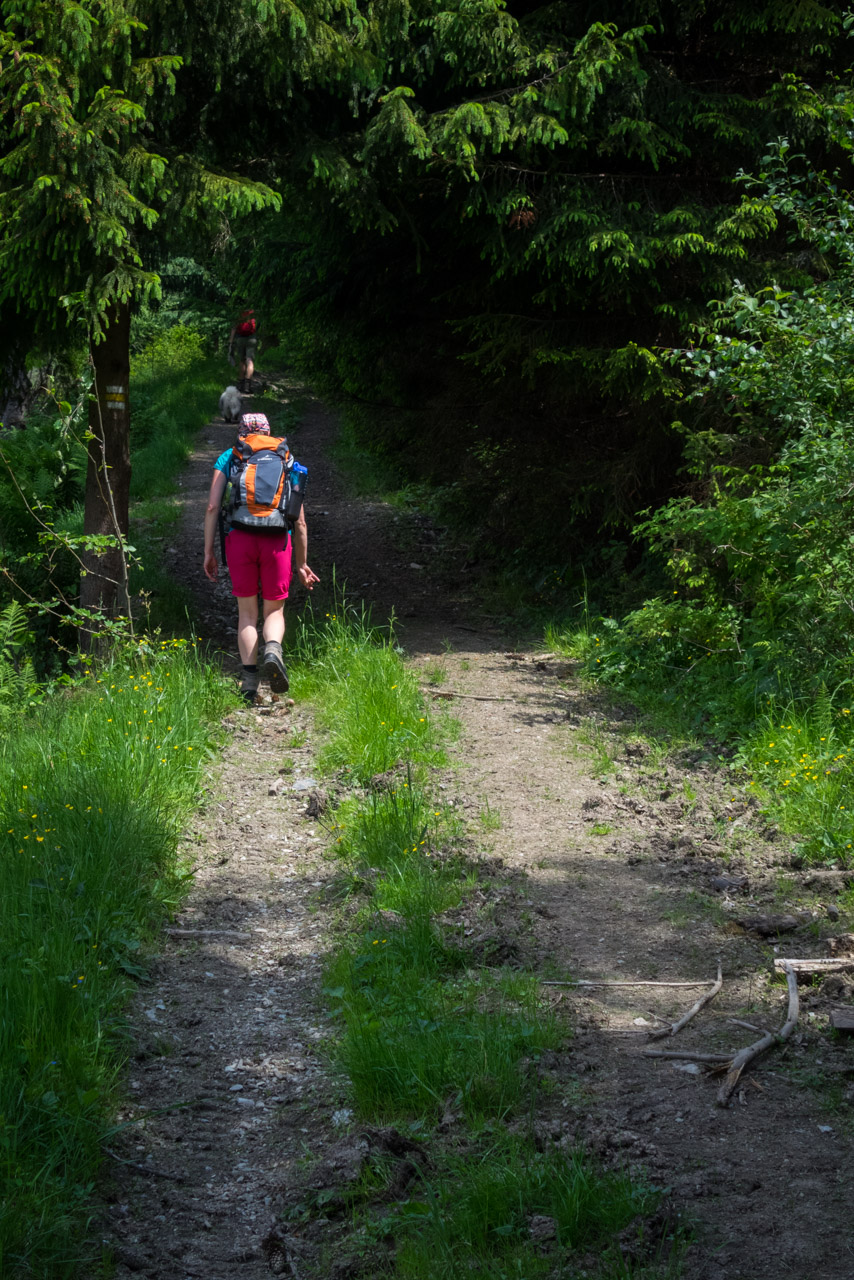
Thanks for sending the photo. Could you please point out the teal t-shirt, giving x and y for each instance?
(223, 462)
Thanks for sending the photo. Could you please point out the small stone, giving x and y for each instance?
(542, 1228)
(728, 884)
(832, 911)
(768, 926)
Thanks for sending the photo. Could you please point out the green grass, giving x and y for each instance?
(175, 389)
(419, 1028)
(801, 762)
(475, 1217)
(489, 818)
(94, 788)
(795, 755)
(412, 1043)
(368, 702)
(162, 603)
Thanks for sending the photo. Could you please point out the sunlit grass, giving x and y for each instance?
(802, 765)
(94, 788)
(367, 700)
(420, 1027)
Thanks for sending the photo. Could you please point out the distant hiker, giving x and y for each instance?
(242, 343)
(230, 405)
(266, 530)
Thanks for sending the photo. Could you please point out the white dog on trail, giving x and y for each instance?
(231, 404)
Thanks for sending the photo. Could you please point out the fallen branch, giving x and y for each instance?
(472, 697)
(672, 1030)
(721, 1059)
(746, 1056)
(810, 968)
(146, 1168)
(208, 933)
(584, 982)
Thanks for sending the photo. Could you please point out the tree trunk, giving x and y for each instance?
(16, 390)
(103, 586)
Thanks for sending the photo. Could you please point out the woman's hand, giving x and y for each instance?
(307, 576)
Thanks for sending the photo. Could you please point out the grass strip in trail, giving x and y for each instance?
(95, 788)
(367, 700)
(422, 1031)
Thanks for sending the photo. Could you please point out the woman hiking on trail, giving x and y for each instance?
(242, 344)
(257, 555)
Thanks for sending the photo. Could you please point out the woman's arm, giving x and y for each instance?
(211, 517)
(306, 576)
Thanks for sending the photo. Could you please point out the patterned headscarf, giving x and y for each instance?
(254, 424)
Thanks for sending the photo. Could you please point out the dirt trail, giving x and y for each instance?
(617, 882)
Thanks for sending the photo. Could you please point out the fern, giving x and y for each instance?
(17, 680)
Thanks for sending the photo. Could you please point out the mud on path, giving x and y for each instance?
(625, 863)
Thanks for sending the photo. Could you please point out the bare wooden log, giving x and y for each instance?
(208, 933)
(752, 1051)
(809, 968)
(675, 1027)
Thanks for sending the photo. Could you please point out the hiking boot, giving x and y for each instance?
(249, 686)
(274, 667)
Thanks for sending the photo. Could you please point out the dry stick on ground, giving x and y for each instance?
(721, 1059)
(472, 697)
(811, 967)
(150, 1169)
(584, 982)
(208, 933)
(662, 1032)
(746, 1056)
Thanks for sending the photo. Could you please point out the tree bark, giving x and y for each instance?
(103, 585)
(16, 390)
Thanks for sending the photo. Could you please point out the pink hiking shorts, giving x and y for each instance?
(259, 558)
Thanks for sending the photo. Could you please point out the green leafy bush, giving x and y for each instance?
(757, 622)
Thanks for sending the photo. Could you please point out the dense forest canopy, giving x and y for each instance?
(487, 224)
(498, 234)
